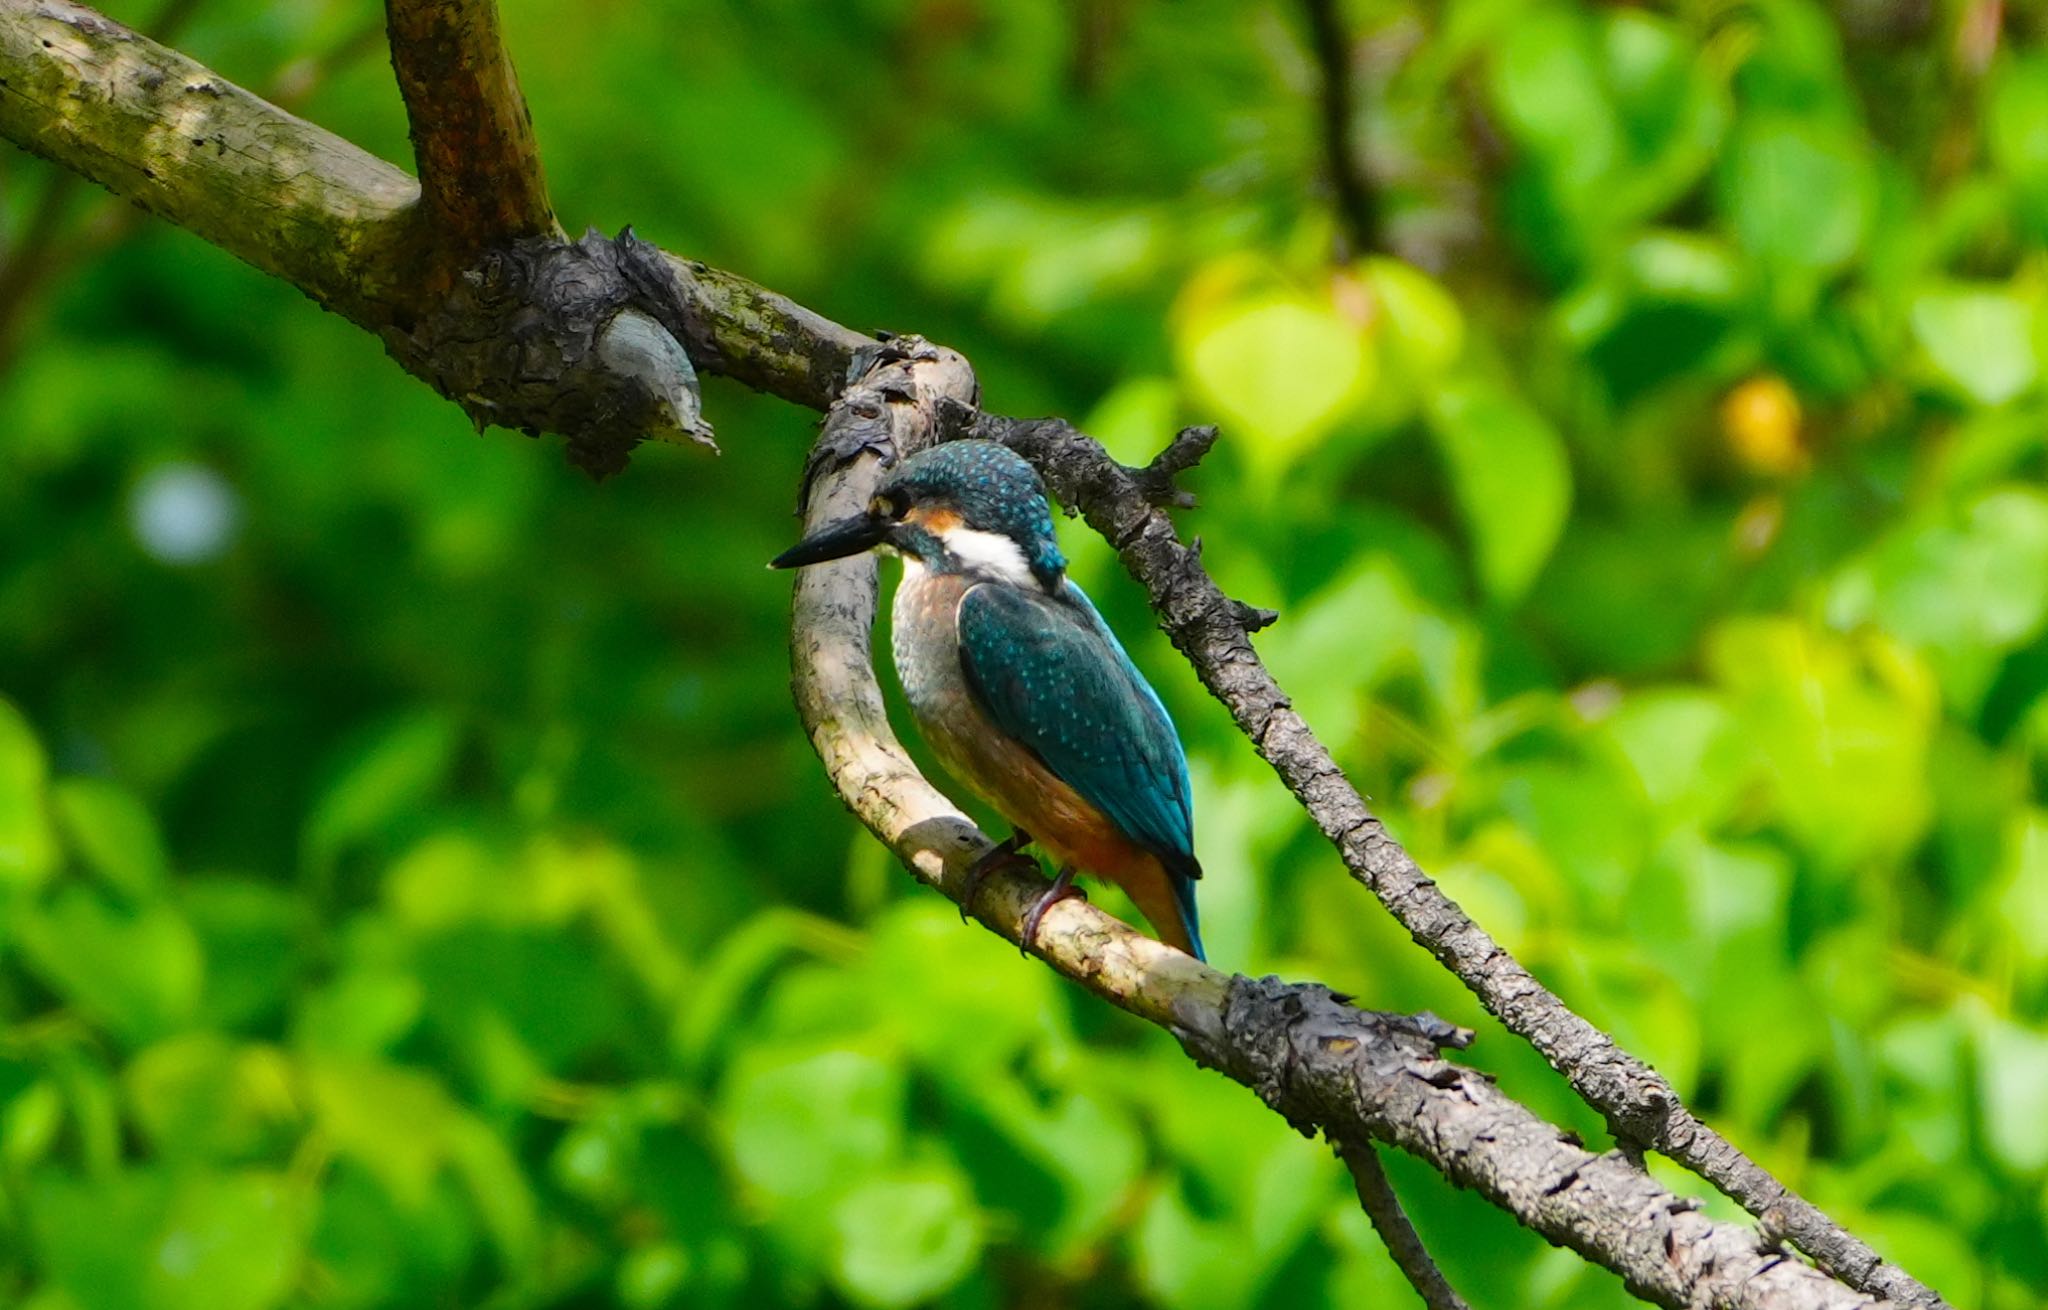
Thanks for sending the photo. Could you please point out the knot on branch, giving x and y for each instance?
(1253, 618)
(581, 338)
(1301, 1045)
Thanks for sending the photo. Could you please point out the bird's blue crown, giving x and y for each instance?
(992, 489)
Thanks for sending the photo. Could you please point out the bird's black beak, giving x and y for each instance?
(836, 540)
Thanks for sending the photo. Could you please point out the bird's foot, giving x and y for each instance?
(1062, 888)
(1003, 852)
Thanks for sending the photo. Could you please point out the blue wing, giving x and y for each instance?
(1051, 674)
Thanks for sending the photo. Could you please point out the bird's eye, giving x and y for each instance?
(891, 504)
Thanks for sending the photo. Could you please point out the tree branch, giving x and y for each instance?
(1210, 629)
(47, 250)
(520, 335)
(164, 132)
(1358, 212)
(1354, 1075)
(472, 136)
(1404, 1244)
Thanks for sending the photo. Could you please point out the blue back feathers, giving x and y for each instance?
(1052, 675)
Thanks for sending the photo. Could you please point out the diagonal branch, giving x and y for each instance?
(529, 332)
(1354, 1075)
(1640, 1106)
(1404, 1244)
(168, 134)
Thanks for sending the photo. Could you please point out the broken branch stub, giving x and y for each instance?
(551, 336)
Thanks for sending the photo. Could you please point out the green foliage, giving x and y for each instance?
(414, 891)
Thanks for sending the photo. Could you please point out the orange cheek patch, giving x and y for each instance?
(934, 519)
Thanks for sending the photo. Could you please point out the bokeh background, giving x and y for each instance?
(414, 889)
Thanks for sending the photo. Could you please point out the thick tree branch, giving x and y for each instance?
(472, 136)
(50, 246)
(1404, 1244)
(164, 132)
(1354, 1075)
(520, 335)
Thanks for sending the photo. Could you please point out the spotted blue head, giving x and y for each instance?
(962, 507)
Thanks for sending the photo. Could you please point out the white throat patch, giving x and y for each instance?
(990, 554)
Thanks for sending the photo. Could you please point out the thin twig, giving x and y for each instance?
(1404, 1244)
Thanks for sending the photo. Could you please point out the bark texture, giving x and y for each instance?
(470, 289)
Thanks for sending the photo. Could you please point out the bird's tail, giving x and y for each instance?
(1168, 902)
(1190, 922)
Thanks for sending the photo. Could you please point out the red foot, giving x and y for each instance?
(1003, 852)
(1062, 888)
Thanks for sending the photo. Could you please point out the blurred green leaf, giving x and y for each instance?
(253, 935)
(1425, 328)
(397, 1123)
(1276, 367)
(113, 832)
(1842, 731)
(28, 848)
(151, 1240)
(2012, 1067)
(1682, 746)
(1513, 484)
(2019, 106)
(805, 1127)
(198, 1096)
(905, 1236)
(653, 1275)
(1981, 340)
(1798, 194)
(1967, 586)
(29, 1123)
(498, 1188)
(137, 970)
(380, 778)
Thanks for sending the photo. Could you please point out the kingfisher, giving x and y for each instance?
(1019, 687)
